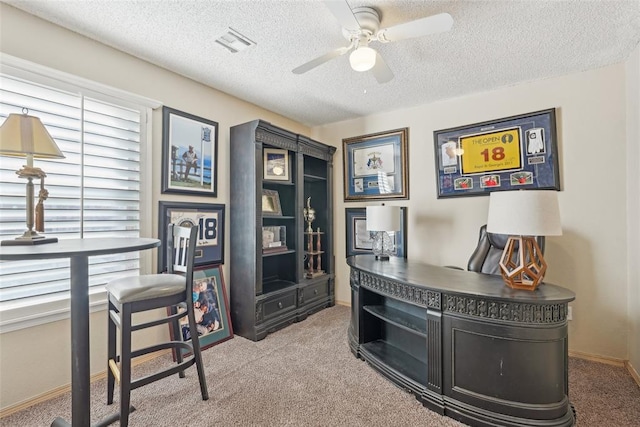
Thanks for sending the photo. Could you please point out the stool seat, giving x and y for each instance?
(145, 287)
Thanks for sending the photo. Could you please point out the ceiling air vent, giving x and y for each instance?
(234, 41)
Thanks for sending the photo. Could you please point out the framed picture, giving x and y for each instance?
(360, 241)
(376, 166)
(518, 152)
(271, 203)
(276, 164)
(189, 154)
(210, 218)
(211, 309)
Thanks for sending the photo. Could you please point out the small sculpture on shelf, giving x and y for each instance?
(309, 215)
(314, 251)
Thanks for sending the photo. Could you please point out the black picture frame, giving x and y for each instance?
(214, 326)
(184, 133)
(359, 241)
(210, 217)
(376, 166)
(517, 152)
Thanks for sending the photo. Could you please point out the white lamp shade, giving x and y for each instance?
(383, 218)
(362, 59)
(22, 135)
(524, 213)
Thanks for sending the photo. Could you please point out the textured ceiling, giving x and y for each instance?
(493, 43)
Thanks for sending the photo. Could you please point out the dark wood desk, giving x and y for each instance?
(78, 251)
(463, 343)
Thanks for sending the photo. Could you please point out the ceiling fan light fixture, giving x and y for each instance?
(363, 58)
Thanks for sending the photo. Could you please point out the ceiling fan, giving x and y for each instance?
(361, 26)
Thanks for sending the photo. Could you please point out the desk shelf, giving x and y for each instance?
(399, 318)
(391, 357)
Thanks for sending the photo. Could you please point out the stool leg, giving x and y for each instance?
(125, 364)
(111, 352)
(177, 336)
(196, 351)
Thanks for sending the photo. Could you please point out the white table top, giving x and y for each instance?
(73, 247)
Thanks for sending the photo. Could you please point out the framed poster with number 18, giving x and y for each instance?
(518, 152)
(208, 216)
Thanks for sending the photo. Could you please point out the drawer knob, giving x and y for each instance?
(315, 291)
(280, 305)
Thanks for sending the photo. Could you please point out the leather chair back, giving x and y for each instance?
(486, 257)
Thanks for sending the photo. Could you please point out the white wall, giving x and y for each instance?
(633, 200)
(43, 352)
(590, 257)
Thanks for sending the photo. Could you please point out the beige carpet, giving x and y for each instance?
(305, 375)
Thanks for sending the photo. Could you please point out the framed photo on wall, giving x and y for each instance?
(360, 241)
(210, 218)
(189, 154)
(211, 309)
(518, 152)
(376, 166)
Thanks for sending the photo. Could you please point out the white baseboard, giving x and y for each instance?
(5, 412)
(609, 361)
(633, 372)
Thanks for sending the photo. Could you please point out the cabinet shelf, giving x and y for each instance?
(403, 320)
(282, 217)
(272, 286)
(308, 177)
(269, 184)
(397, 360)
(276, 253)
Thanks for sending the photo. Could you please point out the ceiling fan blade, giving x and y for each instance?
(320, 60)
(381, 70)
(420, 27)
(343, 14)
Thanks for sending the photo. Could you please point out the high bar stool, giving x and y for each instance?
(146, 292)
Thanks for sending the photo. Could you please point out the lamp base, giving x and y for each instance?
(522, 264)
(19, 241)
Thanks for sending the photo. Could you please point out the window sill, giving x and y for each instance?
(31, 312)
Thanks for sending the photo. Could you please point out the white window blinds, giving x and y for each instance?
(93, 192)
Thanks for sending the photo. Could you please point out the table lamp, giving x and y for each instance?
(523, 214)
(383, 220)
(22, 135)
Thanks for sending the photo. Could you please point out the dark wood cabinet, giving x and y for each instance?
(463, 343)
(270, 285)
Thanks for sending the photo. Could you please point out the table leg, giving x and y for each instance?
(80, 371)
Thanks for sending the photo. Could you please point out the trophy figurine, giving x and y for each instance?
(314, 251)
(309, 215)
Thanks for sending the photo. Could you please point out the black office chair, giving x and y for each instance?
(147, 292)
(486, 257)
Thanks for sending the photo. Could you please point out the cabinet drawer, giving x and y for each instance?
(315, 291)
(279, 304)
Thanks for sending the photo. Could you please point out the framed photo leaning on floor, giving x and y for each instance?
(211, 308)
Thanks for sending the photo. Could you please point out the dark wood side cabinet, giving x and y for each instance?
(463, 343)
(270, 287)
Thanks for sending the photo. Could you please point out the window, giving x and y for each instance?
(94, 192)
